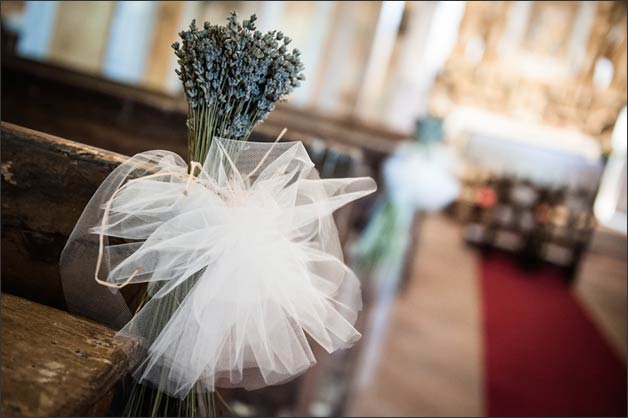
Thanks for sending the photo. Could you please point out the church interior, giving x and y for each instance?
(491, 259)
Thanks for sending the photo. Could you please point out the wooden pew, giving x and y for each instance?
(130, 119)
(56, 364)
(46, 183)
(53, 363)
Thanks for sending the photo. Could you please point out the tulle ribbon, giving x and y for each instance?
(243, 249)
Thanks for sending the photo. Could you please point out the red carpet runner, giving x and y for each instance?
(544, 356)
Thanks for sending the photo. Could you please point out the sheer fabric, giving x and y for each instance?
(241, 257)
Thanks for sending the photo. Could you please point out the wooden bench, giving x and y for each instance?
(56, 364)
(130, 119)
(53, 363)
(46, 183)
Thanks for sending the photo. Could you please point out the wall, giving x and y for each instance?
(556, 63)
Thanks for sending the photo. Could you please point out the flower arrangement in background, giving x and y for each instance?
(419, 176)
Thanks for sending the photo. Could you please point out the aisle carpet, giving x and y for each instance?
(543, 354)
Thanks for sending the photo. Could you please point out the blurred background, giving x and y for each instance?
(493, 257)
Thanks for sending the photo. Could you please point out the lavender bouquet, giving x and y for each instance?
(232, 76)
(238, 246)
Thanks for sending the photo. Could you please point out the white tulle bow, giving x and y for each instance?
(244, 250)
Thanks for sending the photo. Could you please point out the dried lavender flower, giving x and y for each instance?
(233, 75)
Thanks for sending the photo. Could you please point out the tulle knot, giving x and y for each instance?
(243, 250)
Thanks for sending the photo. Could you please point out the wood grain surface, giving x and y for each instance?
(46, 183)
(56, 364)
